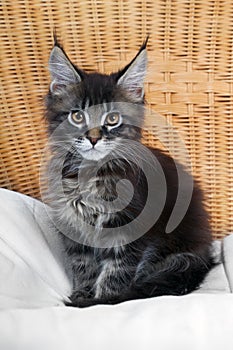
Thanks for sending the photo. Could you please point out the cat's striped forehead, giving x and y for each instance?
(96, 109)
(97, 89)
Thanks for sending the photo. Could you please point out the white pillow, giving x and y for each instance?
(31, 273)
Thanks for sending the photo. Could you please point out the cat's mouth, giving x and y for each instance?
(94, 153)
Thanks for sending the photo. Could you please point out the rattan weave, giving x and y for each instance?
(190, 79)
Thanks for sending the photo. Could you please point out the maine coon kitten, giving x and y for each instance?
(95, 121)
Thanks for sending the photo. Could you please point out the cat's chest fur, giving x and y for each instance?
(95, 198)
(87, 200)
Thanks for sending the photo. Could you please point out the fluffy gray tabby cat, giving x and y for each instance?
(95, 122)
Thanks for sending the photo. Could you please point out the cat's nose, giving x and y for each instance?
(93, 140)
(94, 135)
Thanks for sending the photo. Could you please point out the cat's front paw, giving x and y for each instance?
(81, 302)
(81, 299)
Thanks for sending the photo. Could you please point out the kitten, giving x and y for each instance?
(98, 187)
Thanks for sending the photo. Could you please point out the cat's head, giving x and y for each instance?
(98, 110)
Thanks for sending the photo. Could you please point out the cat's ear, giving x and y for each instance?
(131, 78)
(62, 71)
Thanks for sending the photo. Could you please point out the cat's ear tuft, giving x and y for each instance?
(62, 71)
(131, 78)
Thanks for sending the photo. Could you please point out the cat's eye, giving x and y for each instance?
(77, 117)
(112, 118)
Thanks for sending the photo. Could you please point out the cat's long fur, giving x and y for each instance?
(156, 263)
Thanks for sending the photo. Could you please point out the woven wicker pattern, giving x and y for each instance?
(190, 79)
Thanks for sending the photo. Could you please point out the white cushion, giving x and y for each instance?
(31, 273)
(32, 282)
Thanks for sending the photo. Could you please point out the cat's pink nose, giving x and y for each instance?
(93, 140)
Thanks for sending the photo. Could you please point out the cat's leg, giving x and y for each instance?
(110, 279)
(110, 287)
(177, 274)
(84, 271)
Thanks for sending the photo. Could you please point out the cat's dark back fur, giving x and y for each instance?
(154, 263)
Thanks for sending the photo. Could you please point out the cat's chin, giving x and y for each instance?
(93, 155)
